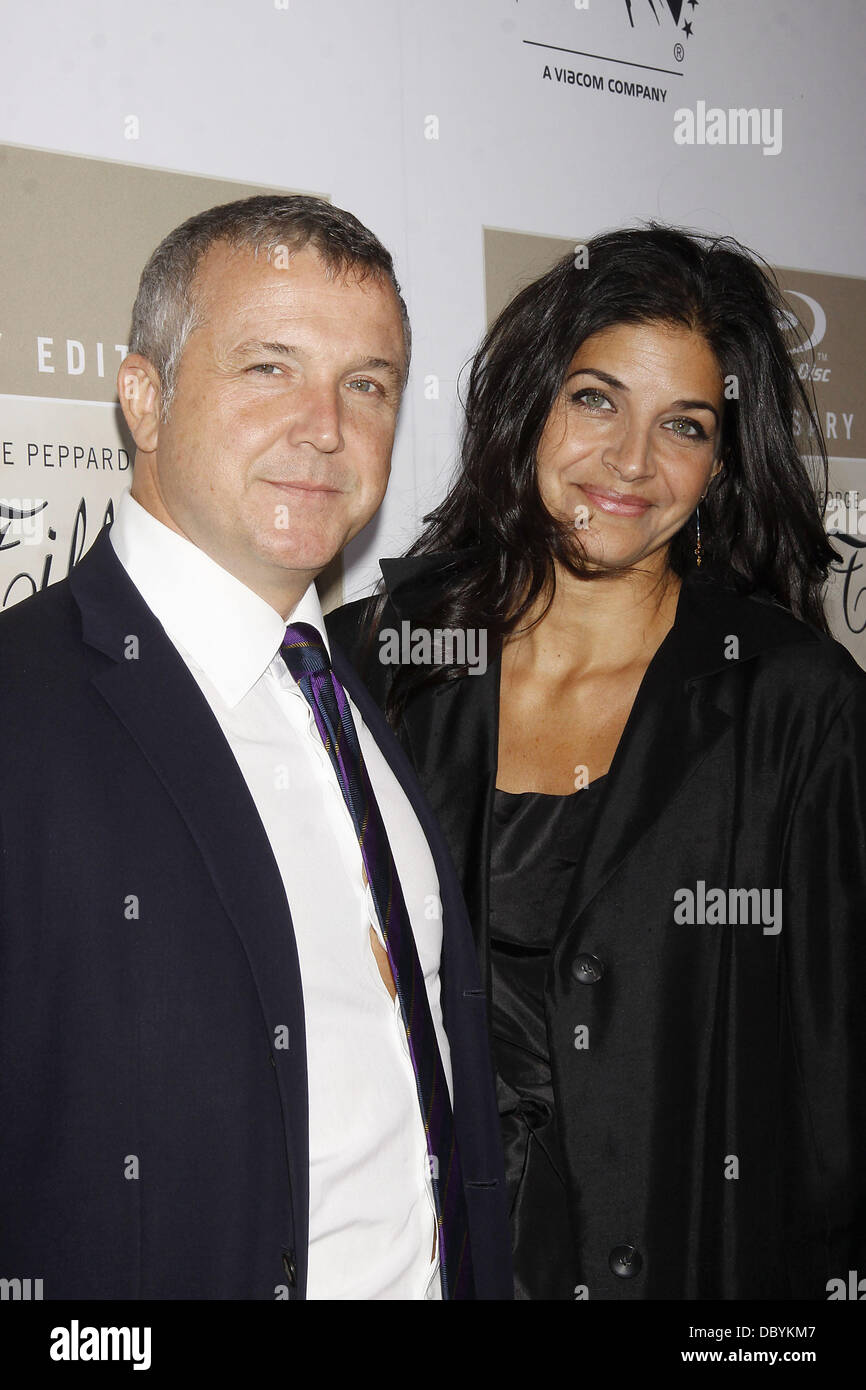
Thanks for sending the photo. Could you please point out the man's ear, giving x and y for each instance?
(140, 398)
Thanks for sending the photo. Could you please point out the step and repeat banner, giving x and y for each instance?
(478, 141)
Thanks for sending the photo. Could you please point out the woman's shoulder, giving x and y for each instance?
(409, 581)
(355, 628)
(346, 623)
(733, 624)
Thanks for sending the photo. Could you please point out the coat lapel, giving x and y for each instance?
(158, 701)
(677, 719)
(680, 714)
(671, 730)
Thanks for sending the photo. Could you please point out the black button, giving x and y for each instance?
(587, 970)
(290, 1267)
(625, 1261)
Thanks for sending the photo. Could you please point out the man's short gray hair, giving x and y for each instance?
(165, 310)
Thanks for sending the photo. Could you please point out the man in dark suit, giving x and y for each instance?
(243, 1047)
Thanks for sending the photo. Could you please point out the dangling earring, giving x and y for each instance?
(698, 549)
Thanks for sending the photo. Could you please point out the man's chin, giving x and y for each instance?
(307, 555)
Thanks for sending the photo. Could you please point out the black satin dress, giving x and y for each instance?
(536, 846)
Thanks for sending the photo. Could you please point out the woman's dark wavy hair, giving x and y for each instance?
(762, 516)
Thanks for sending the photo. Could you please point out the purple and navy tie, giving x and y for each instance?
(307, 659)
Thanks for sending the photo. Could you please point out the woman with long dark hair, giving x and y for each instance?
(653, 786)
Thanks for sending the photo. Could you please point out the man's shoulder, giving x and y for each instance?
(44, 666)
(36, 622)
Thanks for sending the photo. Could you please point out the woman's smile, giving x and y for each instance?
(617, 503)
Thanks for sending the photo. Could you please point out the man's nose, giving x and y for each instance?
(315, 418)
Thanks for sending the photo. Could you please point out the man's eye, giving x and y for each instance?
(266, 368)
(372, 386)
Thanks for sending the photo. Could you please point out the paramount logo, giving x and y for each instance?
(734, 906)
(438, 646)
(739, 126)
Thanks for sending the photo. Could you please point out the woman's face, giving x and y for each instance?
(633, 439)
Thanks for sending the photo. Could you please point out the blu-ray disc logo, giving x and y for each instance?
(794, 321)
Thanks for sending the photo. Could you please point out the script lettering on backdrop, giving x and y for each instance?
(848, 567)
(24, 583)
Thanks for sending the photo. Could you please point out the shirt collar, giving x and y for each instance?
(227, 630)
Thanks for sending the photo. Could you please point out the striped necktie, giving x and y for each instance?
(307, 659)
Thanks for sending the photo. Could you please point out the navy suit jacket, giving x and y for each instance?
(154, 1133)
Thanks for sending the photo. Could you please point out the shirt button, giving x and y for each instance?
(625, 1261)
(587, 970)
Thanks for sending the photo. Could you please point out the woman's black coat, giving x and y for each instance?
(715, 1122)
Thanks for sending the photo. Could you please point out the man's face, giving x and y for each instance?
(278, 446)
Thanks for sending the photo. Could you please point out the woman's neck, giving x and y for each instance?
(598, 624)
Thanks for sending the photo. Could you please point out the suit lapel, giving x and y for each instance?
(158, 701)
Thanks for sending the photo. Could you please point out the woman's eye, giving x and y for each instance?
(596, 400)
(688, 429)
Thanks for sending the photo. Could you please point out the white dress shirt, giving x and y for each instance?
(372, 1223)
